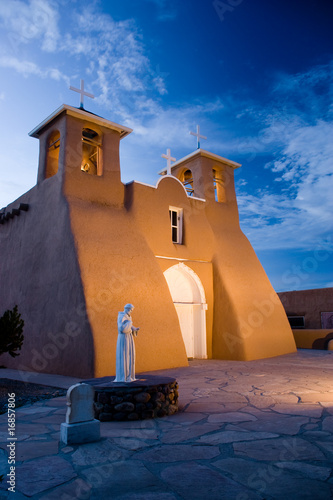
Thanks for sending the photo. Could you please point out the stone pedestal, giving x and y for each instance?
(149, 396)
(82, 432)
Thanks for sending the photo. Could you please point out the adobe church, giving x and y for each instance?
(81, 244)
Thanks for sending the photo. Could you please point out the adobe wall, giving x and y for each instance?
(149, 208)
(247, 320)
(117, 264)
(40, 273)
(308, 303)
(118, 267)
(87, 260)
(88, 245)
(319, 338)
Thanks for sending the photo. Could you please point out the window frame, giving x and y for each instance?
(179, 226)
(298, 319)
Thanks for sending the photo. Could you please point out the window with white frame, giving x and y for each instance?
(176, 220)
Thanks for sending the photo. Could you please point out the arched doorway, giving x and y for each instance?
(188, 295)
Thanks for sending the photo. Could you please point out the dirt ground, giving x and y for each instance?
(25, 393)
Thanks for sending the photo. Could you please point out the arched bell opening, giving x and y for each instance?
(219, 186)
(91, 144)
(187, 180)
(52, 154)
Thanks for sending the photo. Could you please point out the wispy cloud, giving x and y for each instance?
(112, 51)
(308, 92)
(25, 22)
(302, 166)
(116, 56)
(166, 9)
(294, 130)
(27, 68)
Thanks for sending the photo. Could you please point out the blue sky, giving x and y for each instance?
(256, 75)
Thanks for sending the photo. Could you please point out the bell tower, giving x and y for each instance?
(81, 151)
(206, 175)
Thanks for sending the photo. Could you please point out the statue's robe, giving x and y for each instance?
(125, 354)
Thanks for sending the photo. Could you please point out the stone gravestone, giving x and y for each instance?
(80, 425)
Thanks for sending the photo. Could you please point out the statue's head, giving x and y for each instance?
(128, 308)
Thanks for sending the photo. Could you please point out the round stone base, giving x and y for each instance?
(148, 397)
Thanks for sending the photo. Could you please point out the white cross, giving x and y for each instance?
(198, 136)
(82, 93)
(169, 159)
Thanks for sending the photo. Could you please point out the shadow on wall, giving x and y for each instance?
(323, 343)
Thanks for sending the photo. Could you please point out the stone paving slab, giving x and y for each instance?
(272, 482)
(198, 482)
(3, 461)
(177, 453)
(180, 434)
(231, 417)
(131, 444)
(27, 428)
(38, 475)
(98, 453)
(161, 495)
(56, 401)
(110, 429)
(259, 430)
(307, 470)
(4, 437)
(27, 411)
(34, 449)
(77, 489)
(328, 406)
(211, 407)
(260, 401)
(304, 410)
(51, 419)
(185, 418)
(120, 478)
(225, 436)
(327, 447)
(317, 397)
(281, 424)
(328, 424)
(282, 448)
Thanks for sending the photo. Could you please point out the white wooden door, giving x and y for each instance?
(190, 303)
(185, 316)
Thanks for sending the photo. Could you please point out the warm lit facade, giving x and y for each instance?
(88, 244)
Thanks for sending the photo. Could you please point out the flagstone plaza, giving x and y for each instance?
(245, 430)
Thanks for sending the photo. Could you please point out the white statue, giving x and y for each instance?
(125, 355)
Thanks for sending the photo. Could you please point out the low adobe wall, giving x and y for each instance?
(312, 339)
